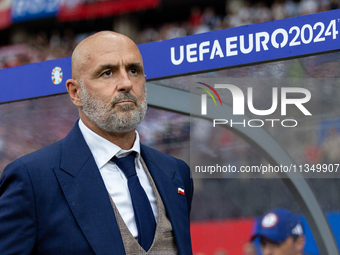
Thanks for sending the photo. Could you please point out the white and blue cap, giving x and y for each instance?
(277, 225)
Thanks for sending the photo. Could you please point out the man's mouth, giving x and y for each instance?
(125, 99)
(123, 102)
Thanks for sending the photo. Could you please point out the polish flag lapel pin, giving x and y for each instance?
(181, 191)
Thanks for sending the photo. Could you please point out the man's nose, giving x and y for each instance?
(124, 83)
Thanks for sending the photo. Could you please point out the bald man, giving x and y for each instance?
(98, 190)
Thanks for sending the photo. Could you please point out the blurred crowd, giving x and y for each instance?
(237, 13)
(29, 48)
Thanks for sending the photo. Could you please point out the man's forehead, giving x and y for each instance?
(97, 47)
(110, 58)
(107, 49)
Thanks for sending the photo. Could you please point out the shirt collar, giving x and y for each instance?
(102, 149)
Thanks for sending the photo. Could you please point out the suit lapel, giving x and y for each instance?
(167, 179)
(89, 201)
(87, 196)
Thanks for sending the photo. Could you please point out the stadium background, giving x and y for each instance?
(223, 209)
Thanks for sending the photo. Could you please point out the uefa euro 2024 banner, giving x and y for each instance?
(269, 41)
(243, 45)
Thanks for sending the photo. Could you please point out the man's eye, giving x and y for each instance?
(107, 73)
(134, 71)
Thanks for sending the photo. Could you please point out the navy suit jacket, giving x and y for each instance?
(54, 201)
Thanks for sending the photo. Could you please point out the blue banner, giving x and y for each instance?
(23, 10)
(243, 45)
(293, 37)
(35, 80)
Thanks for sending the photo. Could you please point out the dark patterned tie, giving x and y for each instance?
(144, 216)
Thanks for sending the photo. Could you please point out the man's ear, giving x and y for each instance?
(300, 243)
(73, 89)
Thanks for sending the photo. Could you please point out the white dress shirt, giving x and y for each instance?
(114, 179)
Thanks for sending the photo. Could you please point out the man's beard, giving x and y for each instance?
(120, 120)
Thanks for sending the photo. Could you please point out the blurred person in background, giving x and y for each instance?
(279, 232)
